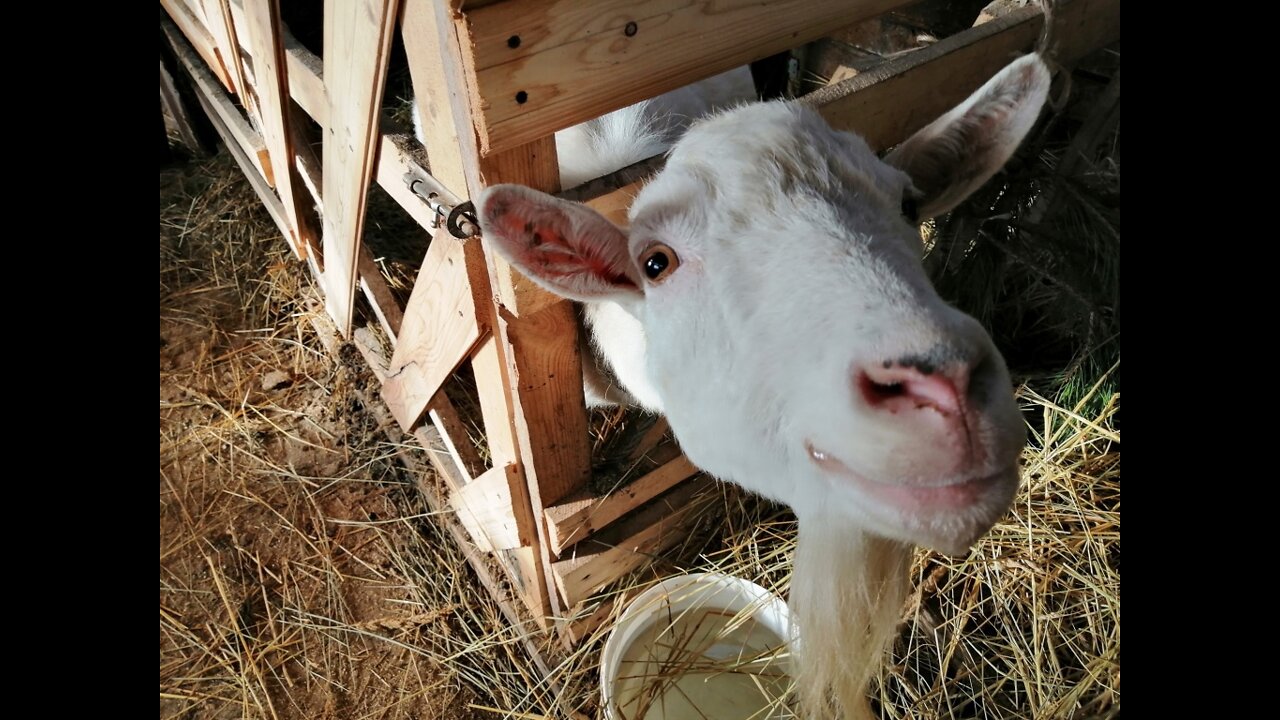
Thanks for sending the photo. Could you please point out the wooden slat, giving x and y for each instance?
(308, 165)
(444, 416)
(547, 399)
(593, 613)
(575, 61)
(493, 385)
(489, 365)
(395, 158)
(385, 306)
(200, 39)
(438, 88)
(1082, 26)
(888, 103)
(263, 32)
(628, 545)
(233, 126)
(177, 110)
(223, 31)
(306, 79)
(453, 432)
(582, 514)
(438, 331)
(371, 350)
(651, 438)
(484, 508)
(357, 43)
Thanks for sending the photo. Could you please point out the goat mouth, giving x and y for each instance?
(957, 494)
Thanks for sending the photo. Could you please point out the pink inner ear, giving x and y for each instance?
(554, 255)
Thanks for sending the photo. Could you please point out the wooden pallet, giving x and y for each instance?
(494, 80)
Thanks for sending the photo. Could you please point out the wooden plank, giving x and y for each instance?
(449, 428)
(453, 432)
(489, 365)
(263, 31)
(582, 514)
(308, 165)
(1082, 26)
(885, 103)
(200, 39)
(484, 507)
(628, 545)
(575, 61)
(371, 350)
(306, 79)
(223, 32)
(538, 348)
(652, 437)
(385, 306)
(231, 125)
(591, 614)
(172, 103)
(395, 158)
(888, 103)
(439, 91)
(438, 331)
(357, 45)
(547, 400)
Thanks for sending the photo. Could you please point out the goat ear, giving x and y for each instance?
(565, 247)
(958, 152)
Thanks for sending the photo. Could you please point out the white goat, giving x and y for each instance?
(768, 297)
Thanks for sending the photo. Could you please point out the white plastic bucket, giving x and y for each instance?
(703, 645)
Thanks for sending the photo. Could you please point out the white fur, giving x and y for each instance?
(798, 279)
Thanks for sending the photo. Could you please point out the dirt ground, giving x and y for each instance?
(293, 550)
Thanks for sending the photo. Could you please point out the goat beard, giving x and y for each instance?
(847, 591)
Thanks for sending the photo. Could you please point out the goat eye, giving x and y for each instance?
(909, 209)
(658, 262)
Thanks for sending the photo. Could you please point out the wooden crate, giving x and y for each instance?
(494, 80)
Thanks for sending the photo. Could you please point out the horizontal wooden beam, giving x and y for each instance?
(306, 79)
(629, 544)
(582, 514)
(889, 102)
(591, 614)
(538, 66)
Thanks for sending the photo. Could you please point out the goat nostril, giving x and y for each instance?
(881, 391)
(898, 389)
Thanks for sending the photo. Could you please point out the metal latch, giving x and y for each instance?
(459, 220)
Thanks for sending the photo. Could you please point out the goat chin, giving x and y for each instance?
(847, 591)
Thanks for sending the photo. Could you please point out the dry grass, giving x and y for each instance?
(302, 575)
